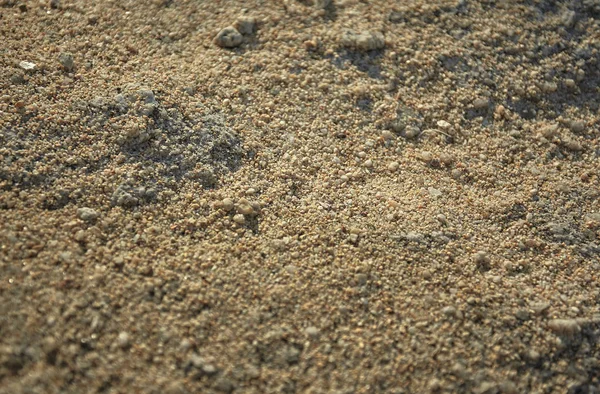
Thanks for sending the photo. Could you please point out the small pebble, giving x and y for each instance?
(577, 126)
(228, 204)
(66, 61)
(449, 311)
(363, 41)
(239, 219)
(312, 331)
(123, 340)
(426, 156)
(481, 103)
(229, 37)
(482, 260)
(245, 25)
(388, 135)
(564, 327)
(28, 66)
(393, 166)
(87, 214)
(442, 124)
(412, 132)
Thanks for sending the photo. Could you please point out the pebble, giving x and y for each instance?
(228, 204)
(393, 166)
(244, 207)
(564, 327)
(28, 66)
(539, 307)
(87, 214)
(123, 340)
(426, 156)
(363, 41)
(312, 331)
(322, 4)
(239, 219)
(442, 124)
(577, 126)
(412, 132)
(229, 37)
(449, 311)
(66, 61)
(245, 25)
(482, 260)
(388, 135)
(481, 103)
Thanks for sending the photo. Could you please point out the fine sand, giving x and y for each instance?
(298, 196)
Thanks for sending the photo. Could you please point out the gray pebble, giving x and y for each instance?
(363, 41)
(564, 327)
(66, 61)
(412, 132)
(481, 103)
(229, 37)
(87, 214)
(245, 25)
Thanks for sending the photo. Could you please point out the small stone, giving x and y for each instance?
(426, 156)
(412, 132)
(434, 384)
(209, 369)
(244, 207)
(387, 135)
(322, 4)
(87, 214)
(449, 311)
(482, 260)
(224, 385)
(312, 331)
(577, 126)
(239, 219)
(54, 4)
(573, 145)
(522, 315)
(549, 131)
(123, 340)
(229, 37)
(66, 61)
(549, 87)
(442, 124)
(92, 19)
(363, 41)
(446, 158)
(564, 327)
(369, 163)
(228, 204)
(28, 66)
(481, 103)
(246, 25)
(393, 166)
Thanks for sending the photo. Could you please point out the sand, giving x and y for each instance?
(299, 197)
